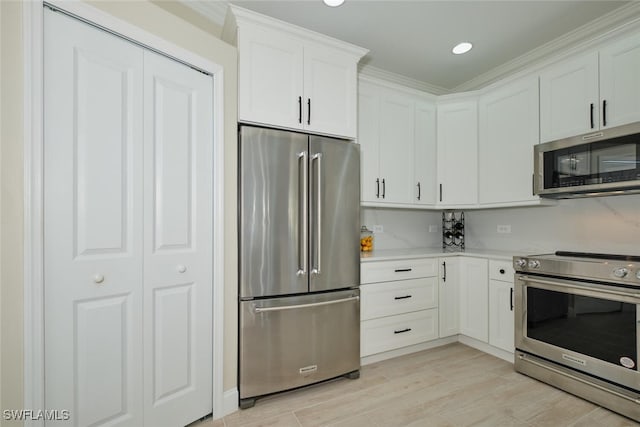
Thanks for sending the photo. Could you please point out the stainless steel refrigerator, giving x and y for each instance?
(299, 215)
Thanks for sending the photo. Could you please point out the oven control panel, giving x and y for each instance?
(623, 271)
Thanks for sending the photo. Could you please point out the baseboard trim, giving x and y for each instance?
(486, 348)
(471, 342)
(230, 401)
(367, 360)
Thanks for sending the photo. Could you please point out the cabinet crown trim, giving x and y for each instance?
(247, 17)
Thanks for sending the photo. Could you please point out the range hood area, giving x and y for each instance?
(603, 163)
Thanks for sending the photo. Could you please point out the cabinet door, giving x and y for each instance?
(369, 140)
(508, 133)
(396, 147)
(474, 304)
(620, 82)
(424, 159)
(501, 321)
(569, 98)
(448, 308)
(270, 78)
(458, 152)
(330, 91)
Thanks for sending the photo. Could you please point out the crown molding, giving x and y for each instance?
(399, 79)
(245, 16)
(215, 11)
(580, 39)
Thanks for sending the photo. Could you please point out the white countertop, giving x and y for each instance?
(391, 254)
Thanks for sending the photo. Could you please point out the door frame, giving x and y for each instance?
(33, 109)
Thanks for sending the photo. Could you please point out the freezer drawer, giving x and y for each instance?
(294, 341)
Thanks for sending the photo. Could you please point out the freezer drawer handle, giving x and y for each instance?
(402, 331)
(403, 297)
(297, 306)
(402, 270)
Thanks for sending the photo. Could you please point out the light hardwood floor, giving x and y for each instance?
(448, 386)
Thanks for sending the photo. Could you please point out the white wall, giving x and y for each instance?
(403, 228)
(601, 224)
(11, 202)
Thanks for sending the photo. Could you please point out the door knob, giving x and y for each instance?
(181, 268)
(98, 278)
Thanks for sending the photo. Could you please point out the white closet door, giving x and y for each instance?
(177, 242)
(92, 216)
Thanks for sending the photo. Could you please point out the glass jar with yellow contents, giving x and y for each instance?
(366, 239)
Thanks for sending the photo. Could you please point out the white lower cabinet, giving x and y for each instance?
(474, 303)
(399, 304)
(501, 320)
(449, 287)
(412, 301)
(392, 332)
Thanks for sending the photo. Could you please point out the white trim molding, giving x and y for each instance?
(215, 11)
(34, 388)
(580, 39)
(231, 398)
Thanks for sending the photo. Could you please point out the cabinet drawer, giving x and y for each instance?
(389, 333)
(386, 271)
(501, 270)
(404, 296)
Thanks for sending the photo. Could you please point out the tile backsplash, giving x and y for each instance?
(601, 224)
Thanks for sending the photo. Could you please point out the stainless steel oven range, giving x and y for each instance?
(576, 325)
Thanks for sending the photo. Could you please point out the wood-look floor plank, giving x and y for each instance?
(448, 386)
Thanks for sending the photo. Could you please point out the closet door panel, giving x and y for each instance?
(178, 242)
(92, 209)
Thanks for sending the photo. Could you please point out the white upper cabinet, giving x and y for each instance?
(270, 78)
(569, 98)
(397, 146)
(591, 92)
(425, 149)
(458, 152)
(508, 133)
(620, 82)
(293, 78)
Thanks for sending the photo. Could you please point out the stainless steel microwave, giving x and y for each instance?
(601, 163)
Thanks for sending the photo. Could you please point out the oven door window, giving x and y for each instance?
(600, 328)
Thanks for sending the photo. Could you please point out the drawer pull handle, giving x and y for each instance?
(502, 271)
(402, 270)
(403, 297)
(402, 331)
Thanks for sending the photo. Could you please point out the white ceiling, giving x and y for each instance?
(414, 38)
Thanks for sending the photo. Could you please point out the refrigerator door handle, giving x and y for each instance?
(299, 306)
(303, 194)
(318, 232)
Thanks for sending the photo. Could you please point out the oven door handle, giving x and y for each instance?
(570, 285)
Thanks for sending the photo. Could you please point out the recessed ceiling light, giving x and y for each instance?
(461, 48)
(333, 3)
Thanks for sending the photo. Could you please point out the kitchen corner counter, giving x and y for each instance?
(391, 254)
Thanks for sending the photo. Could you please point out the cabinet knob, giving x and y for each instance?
(502, 271)
(98, 278)
(181, 268)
